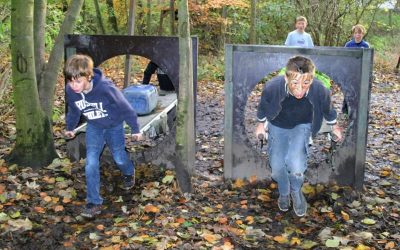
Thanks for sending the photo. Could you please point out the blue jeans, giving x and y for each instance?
(96, 138)
(288, 151)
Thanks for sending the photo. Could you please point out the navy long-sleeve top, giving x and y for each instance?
(276, 91)
(104, 106)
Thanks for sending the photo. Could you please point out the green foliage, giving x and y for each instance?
(5, 25)
(275, 21)
(211, 68)
(54, 19)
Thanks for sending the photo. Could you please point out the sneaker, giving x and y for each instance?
(128, 181)
(91, 210)
(299, 203)
(284, 202)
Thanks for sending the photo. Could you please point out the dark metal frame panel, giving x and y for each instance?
(247, 65)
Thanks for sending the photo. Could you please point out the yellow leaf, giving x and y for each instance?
(345, 216)
(264, 197)
(281, 239)
(249, 219)
(295, 241)
(116, 239)
(308, 189)
(236, 231)
(362, 247)
(238, 183)
(385, 173)
(151, 209)
(368, 221)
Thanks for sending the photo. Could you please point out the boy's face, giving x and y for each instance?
(79, 84)
(299, 83)
(358, 35)
(301, 26)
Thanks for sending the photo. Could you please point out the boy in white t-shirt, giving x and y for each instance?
(300, 37)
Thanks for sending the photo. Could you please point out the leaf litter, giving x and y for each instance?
(40, 210)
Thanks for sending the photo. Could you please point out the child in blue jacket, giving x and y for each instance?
(94, 96)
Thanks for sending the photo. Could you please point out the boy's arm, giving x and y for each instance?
(287, 42)
(72, 117)
(311, 41)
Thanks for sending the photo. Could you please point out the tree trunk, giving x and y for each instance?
(172, 16)
(99, 17)
(39, 25)
(111, 15)
(148, 17)
(163, 14)
(131, 32)
(140, 18)
(253, 34)
(34, 145)
(185, 141)
(48, 82)
(224, 15)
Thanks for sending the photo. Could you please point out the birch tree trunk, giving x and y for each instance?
(185, 131)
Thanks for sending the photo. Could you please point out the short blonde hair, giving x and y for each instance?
(78, 66)
(301, 18)
(358, 27)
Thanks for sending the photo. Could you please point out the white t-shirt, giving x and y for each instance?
(295, 38)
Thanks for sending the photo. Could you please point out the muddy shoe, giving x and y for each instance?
(299, 203)
(91, 210)
(128, 181)
(284, 202)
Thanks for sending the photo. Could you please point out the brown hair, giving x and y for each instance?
(301, 18)
(300, 64)
(358, 27)
(77, 66)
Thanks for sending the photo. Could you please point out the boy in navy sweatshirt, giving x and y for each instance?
(294, 105)
(94, 96)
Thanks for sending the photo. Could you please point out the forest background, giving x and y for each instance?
(217, 22)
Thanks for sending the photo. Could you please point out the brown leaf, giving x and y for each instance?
(222, 220)
(151, 209)
(39, 210)
(180, 220)
(58, 208)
